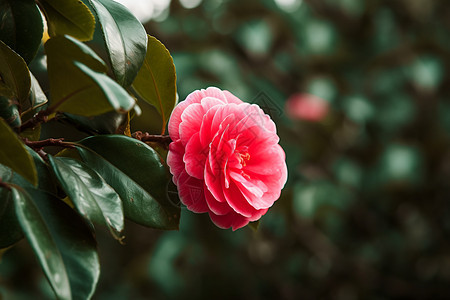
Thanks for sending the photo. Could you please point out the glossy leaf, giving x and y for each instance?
(10, 230)
(125, 39)
(91, 195)
(13, 154)
(71, 17)
(46, 181)
(135, 171)
(40, 239)
(156, 81)
(117, 97)
(36, 99)
(32, 134)
(21, 27)
(106, 123)
(76, 83)
(9, 112)
(74, 241)
(14, 75)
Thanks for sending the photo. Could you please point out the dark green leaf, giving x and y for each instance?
(21, 27)
(70, 17)
(91, 195)
(135, 171)
(125, 39)
(13, 154)
(36, 99)
(9, 112)
(117, 97)
(76, 85)
(33, 134)
(45, 182)
(40, 239)
(156, 81)
(10, 230)
(106, 123)
(75, 242)
(15, 79)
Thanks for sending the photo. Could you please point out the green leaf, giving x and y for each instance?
(117, 97)
(46, 181)
(106, 123)
(74, 241)
(13, 154)
(125, 38)
(91, 195)
(14, 74)
(76, 84)
(36, 99)
(135, 171)
(10, 230)
(70, 17)
(21, 27)
(9, 112)
(156, 81)
(40, 239)
(32, 134)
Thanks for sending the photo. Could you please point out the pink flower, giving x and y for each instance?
(306, 107)
(225, 158)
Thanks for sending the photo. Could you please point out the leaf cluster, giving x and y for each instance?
(53, 192)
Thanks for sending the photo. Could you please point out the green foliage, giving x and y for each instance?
(156, 80)
(41, 240)
(15, 79)
(14, 155)
(144, 194)
(93, 198)
(22, 27)
(69, 17)
(54, 198)
(125, 39)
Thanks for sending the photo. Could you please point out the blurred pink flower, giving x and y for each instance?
(306, 107)
(225, 158)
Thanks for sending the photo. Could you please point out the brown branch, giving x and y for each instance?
(40, 117)
(4, 185)
(146, 137)
(48, 142)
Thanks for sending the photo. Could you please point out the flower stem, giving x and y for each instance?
(164, 140)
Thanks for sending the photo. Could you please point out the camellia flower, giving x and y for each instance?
(225, 158)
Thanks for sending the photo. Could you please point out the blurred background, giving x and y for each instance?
(360, 92)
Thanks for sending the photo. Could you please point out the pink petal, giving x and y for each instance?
(175, 120)
(237, 201)
(191, 193)
(213, 183)
(175, 160)
(232, 98)
(232, 220)
(218, 208)
(216, 93)
(191, 120)
(195, 157)
(175, 117)
(266, 161)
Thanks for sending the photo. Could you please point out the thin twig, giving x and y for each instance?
(165, 140)
(4, 185)
(40, 117)
(48, 142)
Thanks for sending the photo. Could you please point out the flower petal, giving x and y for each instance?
(232, 220)
(190, 190)
(195, 157)
(218, 208)
(175, 160)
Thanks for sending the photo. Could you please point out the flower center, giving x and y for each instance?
(243, 158)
